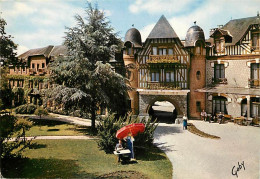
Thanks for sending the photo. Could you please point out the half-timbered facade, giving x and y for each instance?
(233, 71)
(161, 68)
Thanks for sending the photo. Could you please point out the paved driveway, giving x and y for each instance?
(195, 157)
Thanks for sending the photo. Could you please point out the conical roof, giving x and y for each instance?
(162, 29)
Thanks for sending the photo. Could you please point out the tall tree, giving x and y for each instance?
(7, 56)
(86, 79)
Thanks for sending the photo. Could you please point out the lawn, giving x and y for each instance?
(42, 127)
(83, 159)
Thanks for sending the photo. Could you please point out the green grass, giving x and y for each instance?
(43, 127)
(82, 159)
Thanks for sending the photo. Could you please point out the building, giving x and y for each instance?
(220, 74)
(233, 71)
(30, 76)
(164, 69)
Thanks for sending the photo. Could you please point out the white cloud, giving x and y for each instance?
(21, 49)
(159, 6)
(208, 16)
(108, 12)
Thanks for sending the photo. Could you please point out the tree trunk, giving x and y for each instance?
(93, 118)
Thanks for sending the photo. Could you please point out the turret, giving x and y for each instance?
(132, 43)
(195, 43)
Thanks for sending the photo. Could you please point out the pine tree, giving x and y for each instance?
(86, 79)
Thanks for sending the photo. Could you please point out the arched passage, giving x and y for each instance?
(163, 111)
(147, 101)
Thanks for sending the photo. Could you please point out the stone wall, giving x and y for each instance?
(236, 71)
(146, 101)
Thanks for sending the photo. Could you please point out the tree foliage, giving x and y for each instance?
(13, 128)
(41, 112)
(8, 47)
(7, 56)
(86, 79)
(109, 125)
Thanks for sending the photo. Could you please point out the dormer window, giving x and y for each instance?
(219, 45)
(256, 40)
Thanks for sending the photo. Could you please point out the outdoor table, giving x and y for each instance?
(239, 120)
(121, 152)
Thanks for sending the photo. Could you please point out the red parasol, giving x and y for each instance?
(132, 128)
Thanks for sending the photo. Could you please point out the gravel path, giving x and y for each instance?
(195, 157)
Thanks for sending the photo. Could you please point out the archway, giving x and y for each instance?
(163, 111)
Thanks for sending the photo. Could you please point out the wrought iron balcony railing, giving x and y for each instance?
(219, 80)
(162, 85)
(253, 83)
(163, 59)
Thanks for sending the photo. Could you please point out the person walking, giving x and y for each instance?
(185, 123)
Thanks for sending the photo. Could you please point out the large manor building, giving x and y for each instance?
(217, 74)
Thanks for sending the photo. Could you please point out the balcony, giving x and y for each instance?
(163, 59)
(219, 81)
(41, 71)
(32, 71)
(254, 83)
(162, 85)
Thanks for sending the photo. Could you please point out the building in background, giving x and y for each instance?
(219, 75)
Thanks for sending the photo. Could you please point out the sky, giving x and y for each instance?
(39, 23)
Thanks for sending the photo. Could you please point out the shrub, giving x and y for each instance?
(109, 125)
(25, 109)
(107, 132)
(31, 108)
(13, 128)
(41, 112)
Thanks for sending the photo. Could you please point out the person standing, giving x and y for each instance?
(185, 122)
(129, 142)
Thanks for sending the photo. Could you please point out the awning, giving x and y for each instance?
(230, 90)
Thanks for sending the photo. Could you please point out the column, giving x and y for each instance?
(248, 106)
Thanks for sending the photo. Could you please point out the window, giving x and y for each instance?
(43, 65)
(170, 51)
(154, 50)
(219, 71)
(256, 40)
(219, 105)
(169, 76)
(244, 107)
(33, 65)
(162, 51)
(255, 71)
(198, 106)
(155, 76)
(129, 51)
(38, 66)
(255, 107)
(219, 45)
(198, 75)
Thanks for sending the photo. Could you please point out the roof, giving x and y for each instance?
(162, 29)
(45, 51)
(238, 27)
(230, 90)
(59, 50)
(134, 36)
(194, 34)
